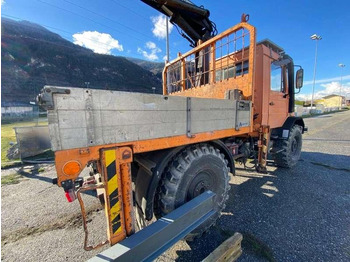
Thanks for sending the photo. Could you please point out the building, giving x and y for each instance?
(331, 101)
(14, 111)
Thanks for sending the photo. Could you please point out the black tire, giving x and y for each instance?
(193, 171)
(289, 150)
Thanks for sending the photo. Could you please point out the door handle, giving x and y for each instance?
(272, 103)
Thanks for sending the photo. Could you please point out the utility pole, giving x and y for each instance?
(167, 47)
(317, 38)
(167, 39)
(341, 83)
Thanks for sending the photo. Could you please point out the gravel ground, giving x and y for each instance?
(302, 214)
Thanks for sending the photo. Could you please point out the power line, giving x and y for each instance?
(41, 40)
(58, 29)
(87, 18)
(136, 13)
(105, 17)
(15, 17)
(37, 39)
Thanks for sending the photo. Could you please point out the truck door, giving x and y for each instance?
(278, 98)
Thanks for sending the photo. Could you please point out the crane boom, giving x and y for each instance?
(193, 20)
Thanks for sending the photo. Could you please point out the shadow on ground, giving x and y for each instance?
(33, 172)
(286, 215)
(36, 172)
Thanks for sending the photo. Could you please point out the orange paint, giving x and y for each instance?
(62, 157)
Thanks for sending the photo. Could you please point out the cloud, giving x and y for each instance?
(151, 53)
(326, 80)
(151, 45)
(328, 89)
(303, 97)
(3, 2)
(159, 26)
(100, 43)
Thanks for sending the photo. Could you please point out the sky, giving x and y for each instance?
(132, 28)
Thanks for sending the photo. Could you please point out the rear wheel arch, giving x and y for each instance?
(151, 167)
(224, 150)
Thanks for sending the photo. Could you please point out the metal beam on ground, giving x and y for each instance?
(152, 241)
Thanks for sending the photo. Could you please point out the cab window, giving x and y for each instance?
(276, 83)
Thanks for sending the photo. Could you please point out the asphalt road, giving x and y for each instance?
(301, 214)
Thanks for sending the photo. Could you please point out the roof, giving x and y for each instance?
(20, 104)
(330, 96)
(270, 44)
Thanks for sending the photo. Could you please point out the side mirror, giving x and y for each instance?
(299, 78)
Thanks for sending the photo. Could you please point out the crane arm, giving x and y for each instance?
(193, 20)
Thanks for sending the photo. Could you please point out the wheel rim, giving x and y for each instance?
(202, 182)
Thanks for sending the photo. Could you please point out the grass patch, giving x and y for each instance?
(257, 246)
(250, 243)
(330, 167)
(8, 135)
(71, 221)
(6, 165)
(10, 179)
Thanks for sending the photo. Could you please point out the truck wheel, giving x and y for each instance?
(289, 150)
(193, 171)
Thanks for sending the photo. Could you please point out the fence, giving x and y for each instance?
(18, 113)
(303, 111)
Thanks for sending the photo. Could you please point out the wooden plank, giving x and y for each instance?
(230, 250)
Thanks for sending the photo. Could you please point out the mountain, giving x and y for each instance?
(155, 67)
(32, 56)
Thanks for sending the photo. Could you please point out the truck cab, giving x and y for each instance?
(274, 85)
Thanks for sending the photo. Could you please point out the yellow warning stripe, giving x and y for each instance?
(112, 189)
(109, 157)
(113, 184)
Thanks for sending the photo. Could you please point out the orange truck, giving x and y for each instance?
(228, 99)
